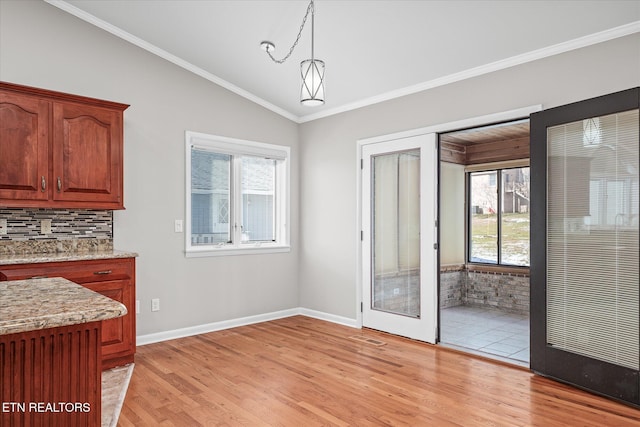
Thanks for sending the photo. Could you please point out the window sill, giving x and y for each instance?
(498, 269)
(251, 250)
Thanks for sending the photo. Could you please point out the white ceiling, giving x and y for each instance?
(373, 50)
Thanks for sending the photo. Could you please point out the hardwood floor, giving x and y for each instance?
(300, 371)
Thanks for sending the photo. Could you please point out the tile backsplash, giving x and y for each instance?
(24, 224)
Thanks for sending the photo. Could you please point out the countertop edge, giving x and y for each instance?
(64, 303)
(40, 258)
(63, 319)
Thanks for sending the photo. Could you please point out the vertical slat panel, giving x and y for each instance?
(41, 369)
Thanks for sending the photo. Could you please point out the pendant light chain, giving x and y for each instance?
(310, 9)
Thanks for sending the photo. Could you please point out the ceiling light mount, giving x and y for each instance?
(267, 46)
(311, 70)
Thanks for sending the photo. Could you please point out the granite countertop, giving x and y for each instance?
(27, 305)
(32, 258)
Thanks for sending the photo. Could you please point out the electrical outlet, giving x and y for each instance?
(137, 306)
(155, 304)
(177, 226)
(3, 226)
(396, 291)
(45, 226)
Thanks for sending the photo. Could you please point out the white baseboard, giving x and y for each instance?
(242, 321)
(353, 323)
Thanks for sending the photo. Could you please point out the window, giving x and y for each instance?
(237, 196)
(499, 216)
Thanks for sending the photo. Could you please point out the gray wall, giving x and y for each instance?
(43, 46)
(328, 154)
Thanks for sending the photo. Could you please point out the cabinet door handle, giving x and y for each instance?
(59, 184)
(43, 183)
(38, 277)
(102, 272)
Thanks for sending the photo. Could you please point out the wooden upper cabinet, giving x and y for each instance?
(24, 147)
(59, 150)
(87, 155)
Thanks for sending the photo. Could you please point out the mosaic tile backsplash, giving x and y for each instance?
(24, 224)
(71, 230)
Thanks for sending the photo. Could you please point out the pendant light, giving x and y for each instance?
(311, 70)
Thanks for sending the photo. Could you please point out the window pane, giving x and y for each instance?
(210, 196)
(515, 217)
(483, 242)
(395, 287)
(258, 207)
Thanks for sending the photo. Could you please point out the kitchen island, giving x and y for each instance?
(50, 359)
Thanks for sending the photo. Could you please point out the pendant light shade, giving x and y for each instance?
(312, 91)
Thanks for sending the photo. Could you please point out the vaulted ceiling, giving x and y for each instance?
(373, 50)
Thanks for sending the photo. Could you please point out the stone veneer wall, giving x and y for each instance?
(453, 285)
(504, 291)
(508, 292)
(71, 230)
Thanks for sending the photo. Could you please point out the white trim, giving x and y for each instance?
(255, 248)
(118, 32)
(224, 144)
(242, 321)
(580, 42)
(345, 321)
(233, 146)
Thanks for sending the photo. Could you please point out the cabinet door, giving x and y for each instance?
(24, 149)
(117, 334)
(87, 156)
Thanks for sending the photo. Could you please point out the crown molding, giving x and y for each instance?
(118, 32)
(577, 43)
(580, 42)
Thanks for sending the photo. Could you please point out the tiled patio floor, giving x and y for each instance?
(486, 331)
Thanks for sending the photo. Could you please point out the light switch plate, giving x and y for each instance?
(178, 226)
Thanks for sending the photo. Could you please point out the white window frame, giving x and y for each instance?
(238, 147)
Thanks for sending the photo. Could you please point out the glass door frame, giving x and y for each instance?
(424, 327)
(601, 377)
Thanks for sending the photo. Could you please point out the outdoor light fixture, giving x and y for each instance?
(311, 70)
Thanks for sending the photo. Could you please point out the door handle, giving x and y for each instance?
(102, 272)
(59, 184)
(43, 183)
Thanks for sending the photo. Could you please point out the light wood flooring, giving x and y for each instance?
(300, 371)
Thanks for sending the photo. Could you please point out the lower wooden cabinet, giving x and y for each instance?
(114, 278)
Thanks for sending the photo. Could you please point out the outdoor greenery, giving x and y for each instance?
(515, 238)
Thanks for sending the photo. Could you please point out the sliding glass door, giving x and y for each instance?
(585, 240)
